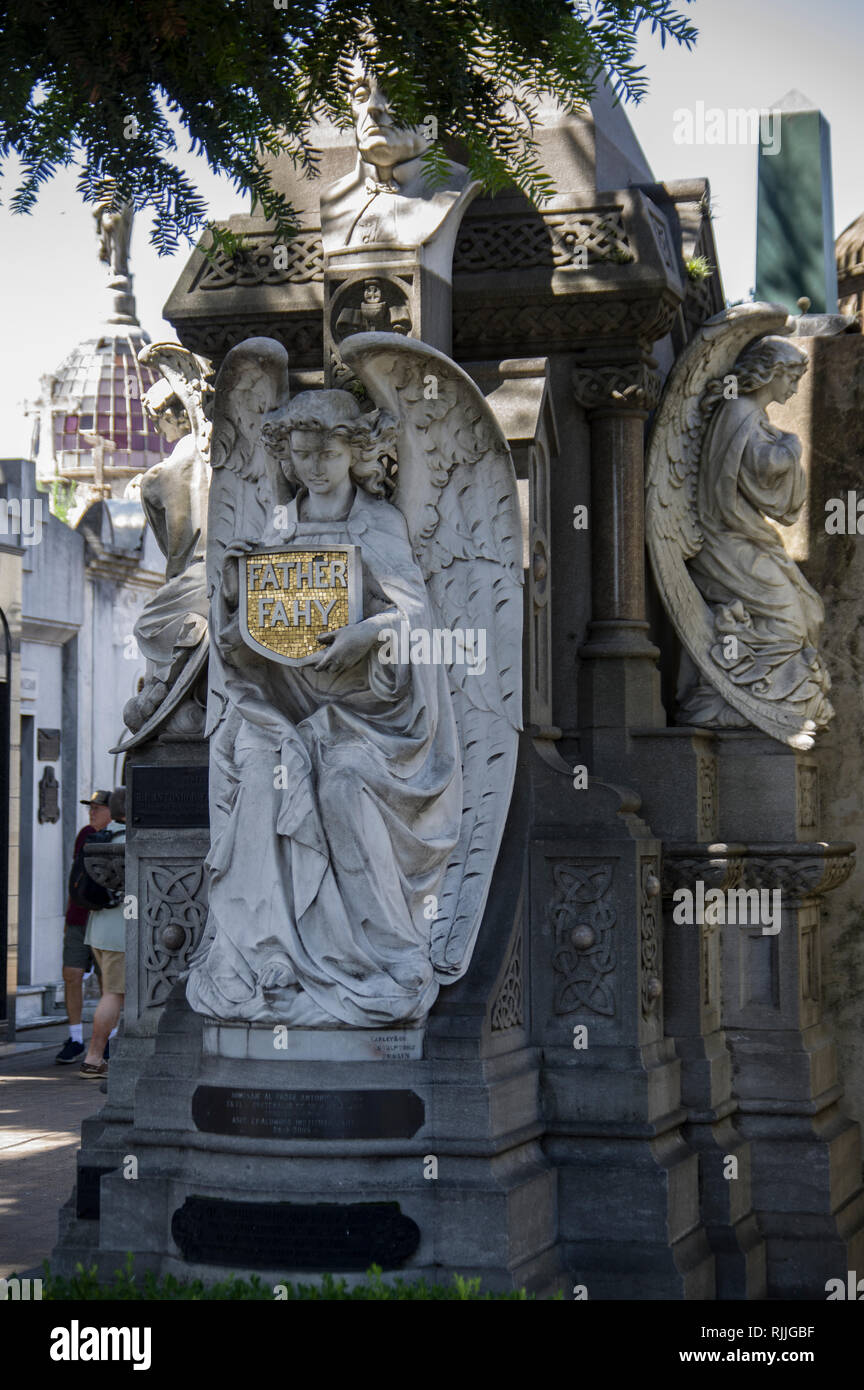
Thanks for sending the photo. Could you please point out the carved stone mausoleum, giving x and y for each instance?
(608, 1095)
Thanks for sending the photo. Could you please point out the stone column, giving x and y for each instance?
(806, 1154)
(692, 989)
(621, 684)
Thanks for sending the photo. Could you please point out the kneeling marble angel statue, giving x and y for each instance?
(722, 479)
(358, 796)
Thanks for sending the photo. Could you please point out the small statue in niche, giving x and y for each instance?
(719, 474)
(373, 314)
(171, 631)
(344, 889)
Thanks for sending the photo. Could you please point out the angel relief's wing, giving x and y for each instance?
(672, 470)
(189, 377)
(252, 381)
(457, 490)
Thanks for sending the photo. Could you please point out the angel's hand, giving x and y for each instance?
(345, 648)
(231, 572)
(238, 547)
(231, 581)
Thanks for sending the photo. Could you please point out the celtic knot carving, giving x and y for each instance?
(303, 337)
(562, 320)
(702, 298)
(529, 243)
(583, 919)
(798, 877)
(507, 1010)
(173, 913)
(807, 785)
(650, 987)
(723, 871)
(631, 384)
(262, 261)
(708, 808)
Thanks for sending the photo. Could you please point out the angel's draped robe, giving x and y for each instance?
(333, 875)
(750, 470)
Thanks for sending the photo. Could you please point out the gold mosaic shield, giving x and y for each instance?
(290, 597)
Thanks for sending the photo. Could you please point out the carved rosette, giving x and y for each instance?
(583, 919)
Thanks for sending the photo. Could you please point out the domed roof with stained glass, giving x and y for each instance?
(92, 423)
(98, 389)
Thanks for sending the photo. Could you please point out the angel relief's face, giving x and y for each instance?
(321, 460)
(785, 382)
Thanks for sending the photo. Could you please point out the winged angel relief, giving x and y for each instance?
(722, 479)
(358, 795)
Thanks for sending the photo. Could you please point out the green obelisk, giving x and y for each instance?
(795, 213)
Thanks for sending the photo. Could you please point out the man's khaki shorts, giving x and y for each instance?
(112, 964)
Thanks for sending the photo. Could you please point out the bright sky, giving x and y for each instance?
(749, 54)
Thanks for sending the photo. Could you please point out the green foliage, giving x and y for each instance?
(126, 1286)
(94, 85)
(62, 498)
(699, 268)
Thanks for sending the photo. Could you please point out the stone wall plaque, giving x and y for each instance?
(47, 745)
(170, 797)
(49, 798)
(260, 1113)
(325, 1236)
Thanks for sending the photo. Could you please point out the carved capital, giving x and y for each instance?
(717, 866)
(799, 870)
(624, 386)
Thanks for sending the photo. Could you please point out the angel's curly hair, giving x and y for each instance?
(758, 364)
(371, 436)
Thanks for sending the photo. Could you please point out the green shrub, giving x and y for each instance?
(126, 1285)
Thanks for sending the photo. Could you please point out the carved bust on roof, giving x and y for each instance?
(390, 198)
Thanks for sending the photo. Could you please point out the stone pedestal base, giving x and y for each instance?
(286, 1169)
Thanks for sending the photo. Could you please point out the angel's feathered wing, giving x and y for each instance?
(671, 521)
(252, 381)
(188, 375)
(457, 490)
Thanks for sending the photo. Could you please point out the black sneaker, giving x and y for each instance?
(71, 1051)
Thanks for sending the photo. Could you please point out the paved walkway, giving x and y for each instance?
(41, 1109)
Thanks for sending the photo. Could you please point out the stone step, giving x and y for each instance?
(43, 1006)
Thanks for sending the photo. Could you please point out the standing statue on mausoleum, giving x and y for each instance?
(114, 230)
(720, 474)
(171, 631)
(362, 753)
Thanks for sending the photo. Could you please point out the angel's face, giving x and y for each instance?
(173, 423)
(784, 382)
(321, 460)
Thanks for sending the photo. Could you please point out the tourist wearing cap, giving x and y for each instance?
(106, 937)
(77, 956)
